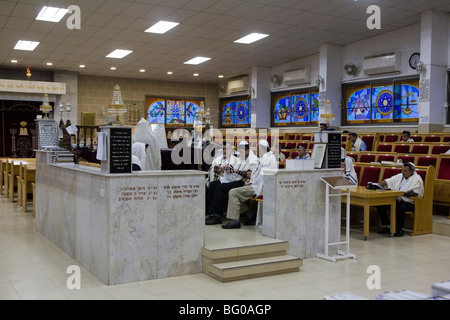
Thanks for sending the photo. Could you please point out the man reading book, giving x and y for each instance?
(411, 184)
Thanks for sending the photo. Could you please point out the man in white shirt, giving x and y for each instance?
(252, 187)
(348, 169)
(232, 178)
(357, 143)
(406, 136)
(411, 184)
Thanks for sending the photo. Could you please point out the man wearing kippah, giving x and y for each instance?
(302, 154)
(411, 184)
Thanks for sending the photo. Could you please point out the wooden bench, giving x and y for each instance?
(422, 217)
(28, 180)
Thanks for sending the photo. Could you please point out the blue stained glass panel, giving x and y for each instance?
(406, 99)
(282, 111)
(314, 107)
(358, 106)
(156, 112)
(175, 112)
(382, 104)
(300, 108)
(191, 110)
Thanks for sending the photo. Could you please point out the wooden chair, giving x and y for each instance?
(420, 148)
(391, 138)
(422, 215)
(407, 158)
(384, 147)
(29, 178)
(369, 173)
(385, 157)
(427, 160)
(402, 148)
(438, 149)
(367, 157)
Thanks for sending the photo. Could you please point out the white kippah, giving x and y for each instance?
(243, 143)
(264, 143)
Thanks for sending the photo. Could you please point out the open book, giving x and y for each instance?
(375, 186)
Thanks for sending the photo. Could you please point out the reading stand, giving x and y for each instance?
(337, 183)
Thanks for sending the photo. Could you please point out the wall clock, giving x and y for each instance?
(414, 60)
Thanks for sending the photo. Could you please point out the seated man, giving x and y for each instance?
(252, 188)
(412, 185)
(231, 179)
(227, 158)
(348, 169)
(138, 155)
(357, 143)
(406, 136)
(302, 154)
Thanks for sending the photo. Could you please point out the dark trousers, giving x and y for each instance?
(402, 208)
(216, 194)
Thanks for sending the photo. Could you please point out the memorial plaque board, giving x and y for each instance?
(120, 150)
(334, 150)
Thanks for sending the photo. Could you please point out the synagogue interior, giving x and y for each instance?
(224, 150)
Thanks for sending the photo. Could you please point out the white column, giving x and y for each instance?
(260, 97)
(434, 55)
(330, 66)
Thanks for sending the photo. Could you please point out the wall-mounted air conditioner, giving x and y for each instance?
(297, 77)
(382, 63)
(238, 84)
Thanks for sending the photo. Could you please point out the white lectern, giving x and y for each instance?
(337, 183)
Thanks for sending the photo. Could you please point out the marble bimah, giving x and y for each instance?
(122, 227)
(294, 210)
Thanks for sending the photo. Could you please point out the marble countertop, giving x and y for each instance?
(97, 171)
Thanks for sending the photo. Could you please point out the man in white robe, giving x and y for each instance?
(348, 169)
(138, 155)
(144, 133)
(411, 184)
(357, 143)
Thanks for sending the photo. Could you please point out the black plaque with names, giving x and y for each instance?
(334, 150)
(120, 150)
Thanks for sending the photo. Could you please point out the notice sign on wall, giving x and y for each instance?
(120, 150)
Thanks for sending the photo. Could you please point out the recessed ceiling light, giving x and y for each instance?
(13, 61)
(26, 45)
(169, 72)
(113, 68)
(195, 74)
(51, 14)
(82, 66)
(220, 76)
(162, 27)
(49, 63)
(251, 38)
(197, 60)
(142, 70)
(119, 54)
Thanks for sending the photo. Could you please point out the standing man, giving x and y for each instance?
(252, 188)
(357, 143)
(411, 184)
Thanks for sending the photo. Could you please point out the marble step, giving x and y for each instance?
(244, 252)
(251, 268)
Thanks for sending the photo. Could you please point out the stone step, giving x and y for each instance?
(229, 254)
(251, 268)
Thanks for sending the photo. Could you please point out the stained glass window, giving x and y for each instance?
(236, 112)
(390, 101)
(295, 108)
(172, 111)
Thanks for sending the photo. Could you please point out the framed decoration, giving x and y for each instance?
(318, 154)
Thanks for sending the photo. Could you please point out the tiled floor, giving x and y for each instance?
(31, 267)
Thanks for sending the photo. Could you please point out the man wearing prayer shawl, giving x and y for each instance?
(411, 184)
(144, 133)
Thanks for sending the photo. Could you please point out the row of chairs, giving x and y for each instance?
(423, 209)
(417, 137)
(413, 147)
(17, 180)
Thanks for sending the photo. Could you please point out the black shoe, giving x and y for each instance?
(385, 230)
(399, 233)
(251, 218)
(234, 224)
(213, 220)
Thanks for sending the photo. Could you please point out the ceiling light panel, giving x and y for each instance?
(162, 27)
(251, 38)
(26, 45)
(51, 14)
(119, 54)
(197, 60)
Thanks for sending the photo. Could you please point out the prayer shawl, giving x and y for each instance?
(138, 154)
(349, 171)
(267, 161)
(414, 183)
(220, 162)
(144, 133)
(356, 147)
